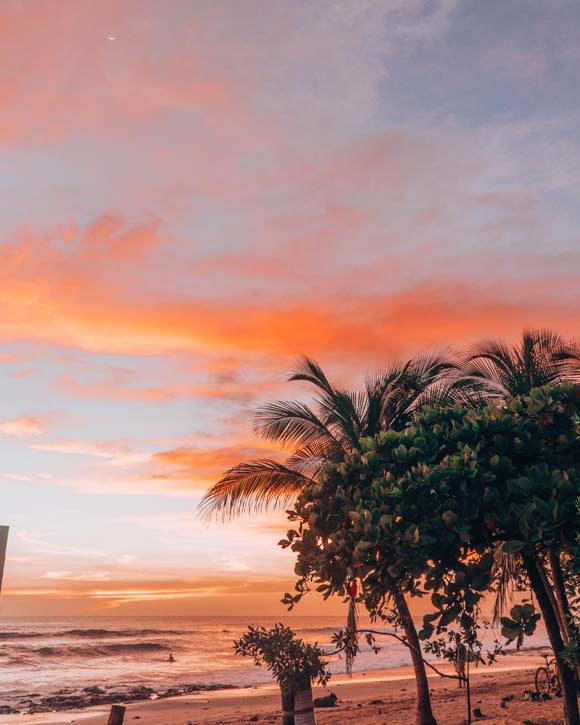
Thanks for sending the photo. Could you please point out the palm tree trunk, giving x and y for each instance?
(567, 680)
(287, 706)
(303, 708)
(424, 712)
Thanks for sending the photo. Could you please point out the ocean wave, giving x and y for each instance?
(103, 650)
(316, 630)
(20, 635)
(330, 630)
(120, 632)
(95, 633)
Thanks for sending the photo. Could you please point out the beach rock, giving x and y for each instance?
(254, 718)
(172, 692)
(67, 699)
(377, 702)
(93, 690)
(477, 712)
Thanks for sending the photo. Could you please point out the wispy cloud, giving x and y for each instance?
(96, 576)
(118, 453)
(43, 544)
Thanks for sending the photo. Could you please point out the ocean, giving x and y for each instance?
(55, 663)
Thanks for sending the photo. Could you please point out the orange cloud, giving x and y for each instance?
(197, 464)
(204, 596)
(69, 298)
(22, 427)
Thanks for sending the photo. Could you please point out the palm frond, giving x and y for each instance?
(338, 407)
(310, 371)
(406, 388)
(426, 369)
(450, 392)
(380, 387)
(341, 409)
(352, 634)
(292, 424)
(541, 357)
(505, 574)
(322, 449)
(254, 486)
(563, 353)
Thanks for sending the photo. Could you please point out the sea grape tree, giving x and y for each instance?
(425, 509)
(371, 519)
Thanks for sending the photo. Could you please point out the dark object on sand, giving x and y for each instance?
(505, 700)
(327, 701)
(117, 715)
(377, 702)
(254, 718)
(171, 658)
(534, 696)
(477, 712)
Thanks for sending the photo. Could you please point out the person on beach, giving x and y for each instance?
(171, 658)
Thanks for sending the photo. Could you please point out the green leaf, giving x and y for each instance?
(512, 547)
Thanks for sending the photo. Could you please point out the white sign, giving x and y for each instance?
(3, 545)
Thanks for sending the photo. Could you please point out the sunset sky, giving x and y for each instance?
(196, 192)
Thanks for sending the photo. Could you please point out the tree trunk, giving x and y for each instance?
(424, 712)
(560, 588)
(571, 713)
(549, 587)
(563, 603)
(303, 708)
(287, 706)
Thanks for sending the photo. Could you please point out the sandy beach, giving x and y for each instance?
(375, 697)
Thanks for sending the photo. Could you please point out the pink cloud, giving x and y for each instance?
(78, 81)
(22, 427)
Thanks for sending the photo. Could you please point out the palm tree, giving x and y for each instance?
(329, 430)
(500, 371)
(541, 357)
(325, 433)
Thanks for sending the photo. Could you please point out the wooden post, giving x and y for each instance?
(3, 546)
(117, 715)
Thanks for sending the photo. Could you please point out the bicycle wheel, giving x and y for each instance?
(542, 681)
(556, 686)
